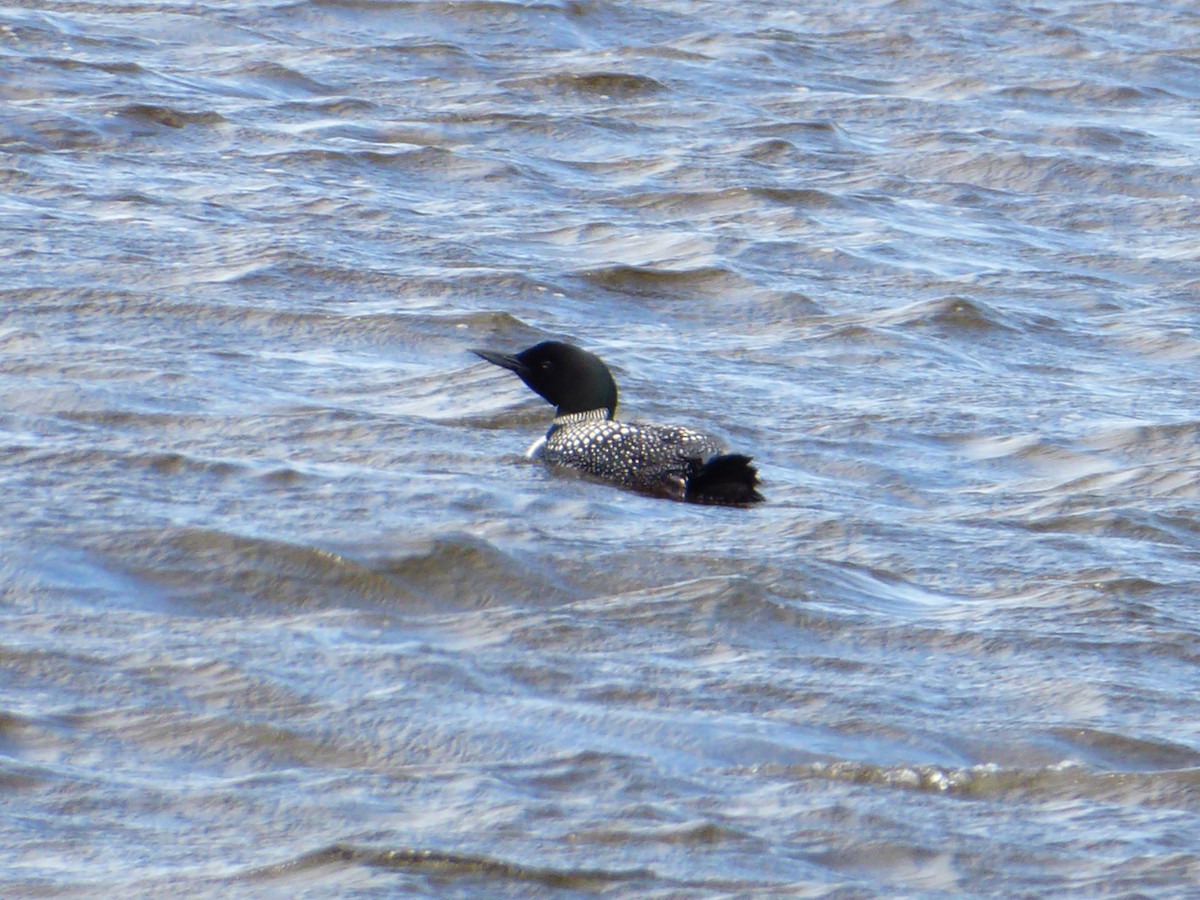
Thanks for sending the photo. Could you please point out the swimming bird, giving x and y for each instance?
(660, 460)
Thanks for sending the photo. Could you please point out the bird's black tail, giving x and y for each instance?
(728, 479)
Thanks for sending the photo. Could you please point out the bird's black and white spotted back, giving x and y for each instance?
(656, 459)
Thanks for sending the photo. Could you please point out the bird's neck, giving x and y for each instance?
(592, 415)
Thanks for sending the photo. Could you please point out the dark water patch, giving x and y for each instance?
(663, 281)
(971, 336)
(227, 739)
(432, 51)
(219, 572)
(454, 865)
(450, 870)
(51, 132)
(688, 834)
(772, 150)
(804, 198)
(438, 168)
(674, 205)
(67, 73)
(269, 79)
(947, 317)
(1052, 95)
(547, 776)
(793, 141)
(17, 779)
(140, 114)
(1102, 139)
(492, 325)
(866, 344)
(595, 85)
(465, 572)
(168, 464)
(782, 312)
(731, 202)
(284, 477)
(162, 424)
(340, 107)
(27, 740)
(107, 120)
(1117, 583)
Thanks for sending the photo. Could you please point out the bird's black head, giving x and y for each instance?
(571, 379)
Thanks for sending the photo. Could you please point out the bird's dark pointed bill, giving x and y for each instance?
(503, 360)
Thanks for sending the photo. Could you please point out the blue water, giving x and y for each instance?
(283, 608)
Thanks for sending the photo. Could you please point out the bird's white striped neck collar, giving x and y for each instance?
(592, 415)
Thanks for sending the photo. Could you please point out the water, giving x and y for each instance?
(285, 612)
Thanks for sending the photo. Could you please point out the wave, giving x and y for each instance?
(214, 571)
(445, 865)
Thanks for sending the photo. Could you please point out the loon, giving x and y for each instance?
(660, 460)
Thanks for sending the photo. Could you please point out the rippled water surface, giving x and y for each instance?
(284, 610)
